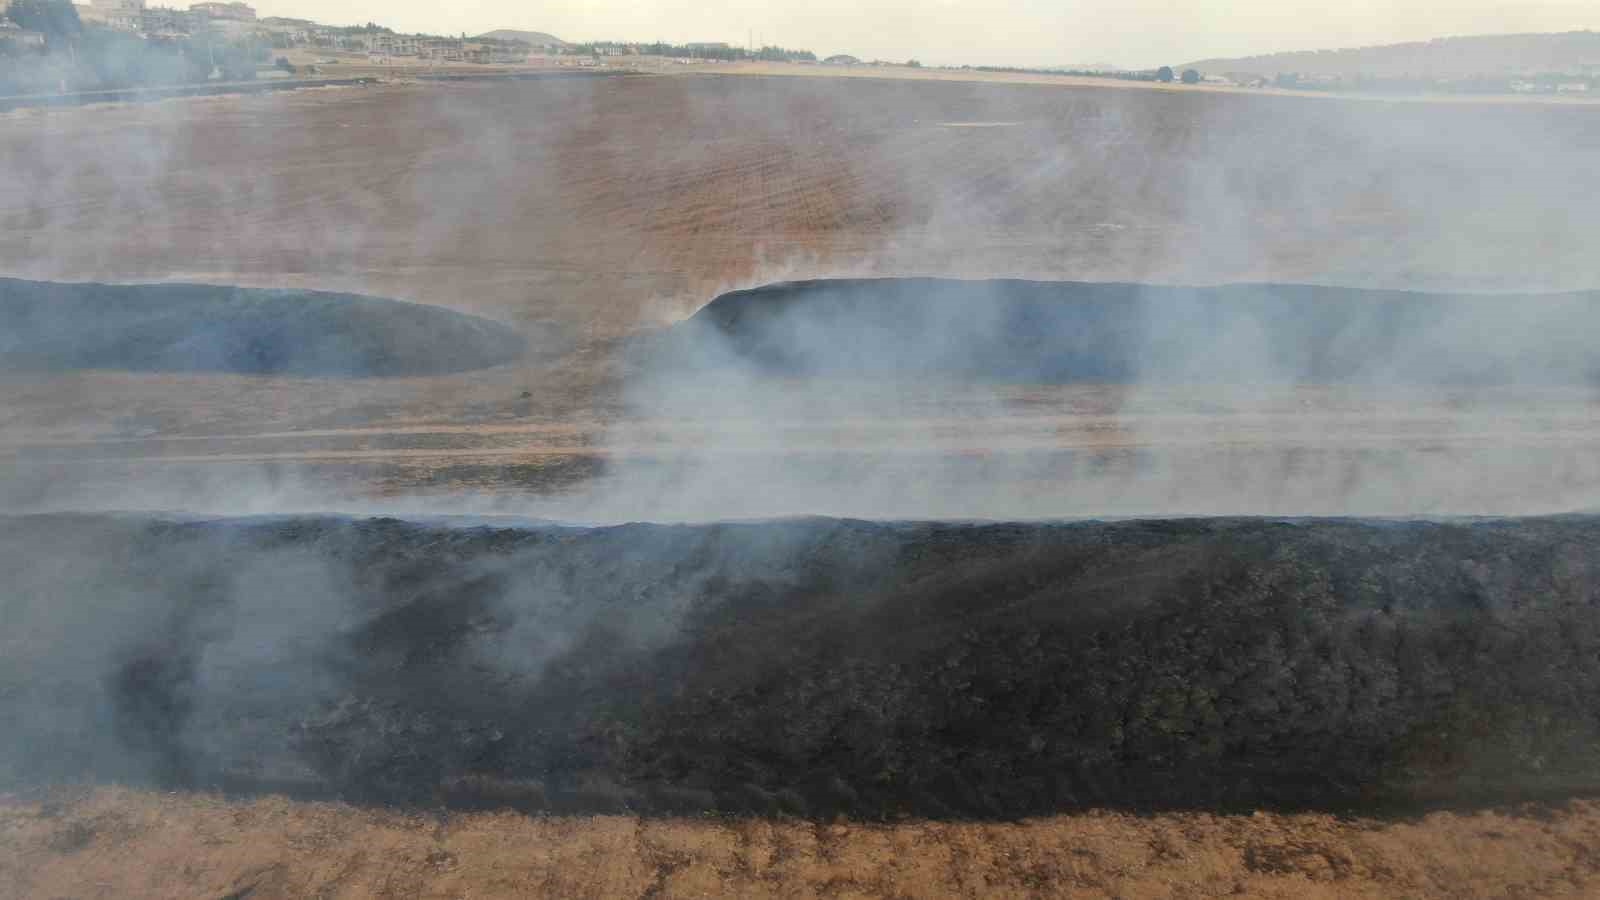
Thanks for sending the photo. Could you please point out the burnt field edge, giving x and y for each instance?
(809, 667)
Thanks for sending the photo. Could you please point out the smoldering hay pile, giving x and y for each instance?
(1004, 399)
(807, 666)
(1062, 331)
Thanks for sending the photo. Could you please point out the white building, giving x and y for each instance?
(121, 14)
(165, 21)
(232, 12)
(441, 49)
(395, 45)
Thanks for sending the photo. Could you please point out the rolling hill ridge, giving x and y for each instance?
(1450, 57)
(535, 38)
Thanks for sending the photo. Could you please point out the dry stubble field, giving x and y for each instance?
(587, 212)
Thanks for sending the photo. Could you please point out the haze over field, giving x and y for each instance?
(591, 214)
(276, 534)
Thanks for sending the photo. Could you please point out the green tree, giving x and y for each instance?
(57, 20)
(1190, 76)
(1164, 74)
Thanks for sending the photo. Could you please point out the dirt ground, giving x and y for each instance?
(112, 842)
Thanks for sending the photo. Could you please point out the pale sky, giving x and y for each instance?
(1130, 33)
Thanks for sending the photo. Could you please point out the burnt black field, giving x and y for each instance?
(807, 667)
(51, 327)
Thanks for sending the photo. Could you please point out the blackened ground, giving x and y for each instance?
(1064, 331)
(202, 328)
(808, 666)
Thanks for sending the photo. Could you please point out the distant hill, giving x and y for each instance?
(1453, 57)
(535, 38)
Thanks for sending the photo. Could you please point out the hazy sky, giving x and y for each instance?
(1133, 33)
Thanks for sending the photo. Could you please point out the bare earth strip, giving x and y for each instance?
(112, 842)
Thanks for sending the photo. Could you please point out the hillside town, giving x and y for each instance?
(238, 22)
(237, 25)
(109, 44)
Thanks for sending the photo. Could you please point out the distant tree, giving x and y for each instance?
(1190, 76)
(1164, 74)
(915, 64)
(57, 20)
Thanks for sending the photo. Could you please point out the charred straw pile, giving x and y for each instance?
(1065, 331)
(50, 326)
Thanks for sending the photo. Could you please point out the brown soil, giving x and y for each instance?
(111, 842)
